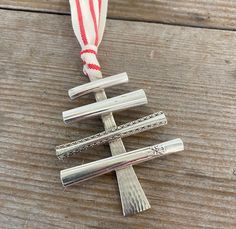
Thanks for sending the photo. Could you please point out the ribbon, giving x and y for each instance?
(88, 21)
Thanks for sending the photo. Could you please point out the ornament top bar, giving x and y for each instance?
(97, 85)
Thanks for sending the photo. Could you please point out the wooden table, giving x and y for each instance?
(182, 53)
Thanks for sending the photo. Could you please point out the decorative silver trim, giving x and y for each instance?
(134, 127)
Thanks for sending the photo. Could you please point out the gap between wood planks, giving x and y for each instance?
(120, 19)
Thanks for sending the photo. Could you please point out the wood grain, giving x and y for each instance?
(189, 73)
(202, 13)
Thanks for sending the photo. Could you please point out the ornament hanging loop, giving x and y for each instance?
(91, 68)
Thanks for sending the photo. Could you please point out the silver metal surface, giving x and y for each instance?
(97, 168)
(117, 103)
(134, 127)
(132, 196)
(97, 85)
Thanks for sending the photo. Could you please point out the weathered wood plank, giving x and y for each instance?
(188, 73)
(203, 13)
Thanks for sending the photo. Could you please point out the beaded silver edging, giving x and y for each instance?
(146, 123)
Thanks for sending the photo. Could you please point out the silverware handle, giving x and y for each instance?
(134, 127)
(118, 103)
(132, 196)
(97, 85)
(97, 168)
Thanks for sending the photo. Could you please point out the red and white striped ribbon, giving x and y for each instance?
(88, 21)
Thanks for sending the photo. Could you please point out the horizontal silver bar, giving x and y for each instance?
(121, 102)
(87, 171)
(134, 127)
(97, 85)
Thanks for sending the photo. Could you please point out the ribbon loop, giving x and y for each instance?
(91, 65)
(88, 20)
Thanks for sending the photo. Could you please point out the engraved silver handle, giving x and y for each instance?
(132, 196)
(134, 127)
(97, 168)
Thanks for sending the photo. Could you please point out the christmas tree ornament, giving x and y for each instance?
(88, 21)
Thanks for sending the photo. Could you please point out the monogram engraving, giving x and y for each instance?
(158, 150)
